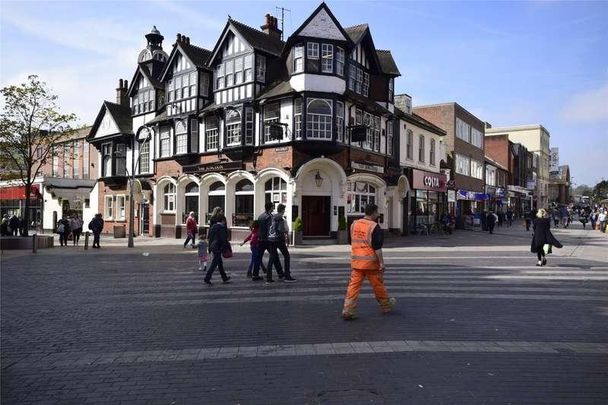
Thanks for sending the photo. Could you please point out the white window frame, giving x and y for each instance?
(169, 197)
(390, 128)
(319, 126)
(409, 145)
(462, 164)
(120, 207)
(339, 121)
(277, 190)
(312, 50)
(108, 208)
(144, 157)
(181, 137)
(164, 143)
(298, 109)
(269, 119)
(360, 194)
(212, 133)
(298, 58)
(233, 128)
(327, 58)
(340, 61)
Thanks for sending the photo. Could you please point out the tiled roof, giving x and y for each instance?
(282, 88)
(356, 32)
(153, 81)
(122, 116)
(387, 63)
(198, 56)
(159, 118)
(258, 39)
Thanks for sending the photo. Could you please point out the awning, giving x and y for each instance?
(18, 192)
(71, 194)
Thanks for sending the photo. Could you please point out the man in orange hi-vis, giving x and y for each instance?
(366, 261)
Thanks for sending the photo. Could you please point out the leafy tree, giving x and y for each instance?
(600, 191)
(30, 125)
(583, 189)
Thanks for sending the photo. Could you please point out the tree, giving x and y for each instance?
(583, 190)
(30, 125)
(600, 191)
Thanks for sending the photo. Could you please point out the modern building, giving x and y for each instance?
(496, 186)
(309, 122)
(63, 186)
(464, 142)
(536, 139)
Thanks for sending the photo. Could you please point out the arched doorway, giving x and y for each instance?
(243, 203)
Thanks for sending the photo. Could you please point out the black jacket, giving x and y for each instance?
(218, 238)
(542, 235)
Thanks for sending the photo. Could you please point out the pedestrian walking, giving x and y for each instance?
(500, 218)
(191, 230)
(216, 215)
(542, 239)
(366, 262)
(583, 218)
(13, 225)
(491, 221)
(254, 245)
(528, 219)
(264, 221)
(509, 217)
(218, 245)
(63, 229)
(555, 215)
(4, 225)
(96, 226)
(603, 219)
(76, 227)
(203, 254)
(278, 235)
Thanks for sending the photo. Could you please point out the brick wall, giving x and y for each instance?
(497, 148)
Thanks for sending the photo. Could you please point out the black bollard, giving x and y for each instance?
(34, 243)
(86, 240)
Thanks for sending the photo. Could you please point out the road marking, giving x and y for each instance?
(71, 359)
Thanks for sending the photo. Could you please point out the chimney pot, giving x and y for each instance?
(120, 84)
(126, 84)
(179, 37)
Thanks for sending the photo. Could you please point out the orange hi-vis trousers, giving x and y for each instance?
(354, 288)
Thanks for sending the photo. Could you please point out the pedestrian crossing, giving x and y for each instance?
(326, 281)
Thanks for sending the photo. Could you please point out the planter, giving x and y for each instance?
(298, 237)
(342, 237)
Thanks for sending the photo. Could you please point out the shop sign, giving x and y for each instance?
(214, 167)
(429, 181)
(472, 196)
(369, 168)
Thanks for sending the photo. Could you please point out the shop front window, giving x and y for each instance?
(243, 203)
(169, 198)
(359, 195)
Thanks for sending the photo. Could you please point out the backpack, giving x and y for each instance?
(60, 228)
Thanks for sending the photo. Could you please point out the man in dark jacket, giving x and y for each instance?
(218, 243)
(264, 221)
(96, 226)
(491, 221)
(13, 223)
(277, 237)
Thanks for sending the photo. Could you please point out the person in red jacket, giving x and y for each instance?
(191, 229)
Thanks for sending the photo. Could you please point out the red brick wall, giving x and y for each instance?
(497, 148)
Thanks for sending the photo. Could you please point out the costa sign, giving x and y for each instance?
(428, 181)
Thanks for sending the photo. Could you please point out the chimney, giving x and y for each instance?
(271, 28)
(404, 103)
(179, 38)
(121, 93)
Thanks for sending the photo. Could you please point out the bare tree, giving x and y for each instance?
(30, 125)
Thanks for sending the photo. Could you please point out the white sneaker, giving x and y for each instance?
(200, 268)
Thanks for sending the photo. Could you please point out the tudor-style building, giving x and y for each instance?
(309, 122)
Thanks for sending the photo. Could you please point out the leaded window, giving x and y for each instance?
(271, 115)
(212, 132)
(358, 195)
(165, 145)
(144, 157)
(339, 121)
(340, 61)
(297, 117)
(327, 55)
(233, 127)
(298, 58)
(249, 117)
(181, 137)
(312, 50)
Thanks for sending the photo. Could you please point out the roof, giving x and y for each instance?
(153, 81)
(356, 32)
(418, 120)
(121, 115)
(387, 63)
(495, 163)
(258, 39)
(282, 88)
(159, 118)
(359, 99)
(517, 128)
(199, 56)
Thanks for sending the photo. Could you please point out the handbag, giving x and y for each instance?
(227, 252)
(547, 248)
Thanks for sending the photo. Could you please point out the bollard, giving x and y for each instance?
(34, 243)
(86, 240)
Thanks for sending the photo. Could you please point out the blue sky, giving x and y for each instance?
(510, 63)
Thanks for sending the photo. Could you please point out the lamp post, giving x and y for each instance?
(132, 182)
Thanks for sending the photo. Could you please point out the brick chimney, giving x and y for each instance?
(121, 93)
(271, 27)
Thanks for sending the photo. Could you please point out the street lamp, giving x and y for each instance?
(134, 166)
(318, 179)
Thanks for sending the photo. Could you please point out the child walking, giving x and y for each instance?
(203, 255)
(254, 242)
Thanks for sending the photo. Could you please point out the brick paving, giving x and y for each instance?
(476, 322)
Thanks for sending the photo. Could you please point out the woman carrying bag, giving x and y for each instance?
(218, 246)
(543, 239)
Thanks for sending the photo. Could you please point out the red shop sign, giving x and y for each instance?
(429, 181)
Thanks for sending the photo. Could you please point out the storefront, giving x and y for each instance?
(12, 202)
(469, 208)
(497, 199)
(428, 198)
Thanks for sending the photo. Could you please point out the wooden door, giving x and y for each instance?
(316, 215)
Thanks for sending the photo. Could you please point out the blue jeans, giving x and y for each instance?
(216, 262)
(256, 259)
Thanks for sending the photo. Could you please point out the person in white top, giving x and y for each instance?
(603, 218)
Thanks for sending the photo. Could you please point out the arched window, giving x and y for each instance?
(275, 191)
(190, 200)
(233, 127)
(319, 119)
(243, 203)
(169, 197)
(359, 194)
(181, 137)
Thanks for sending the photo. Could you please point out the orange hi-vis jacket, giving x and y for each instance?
(363, 256)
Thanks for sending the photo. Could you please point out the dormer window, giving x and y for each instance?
(327, 63)
(298, 59)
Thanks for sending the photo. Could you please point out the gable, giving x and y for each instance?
(322, 25)
(107, 126)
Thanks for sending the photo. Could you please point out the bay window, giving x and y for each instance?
(229, 72)
(327, 55)
(297, 117)
(367, 121)
(249, 116)
(389, 137)
(376, 130)
(312, 50)
(248, 65)
(339, 121)
(340, 61)
(298, 58)
(271, 115)
(238, 70)
(319, 119)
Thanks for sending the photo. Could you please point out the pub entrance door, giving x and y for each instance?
(316, 215)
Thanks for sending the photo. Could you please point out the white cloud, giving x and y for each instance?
(589, 107)
(190, 13)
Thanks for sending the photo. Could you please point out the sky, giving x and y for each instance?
(509, 63)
